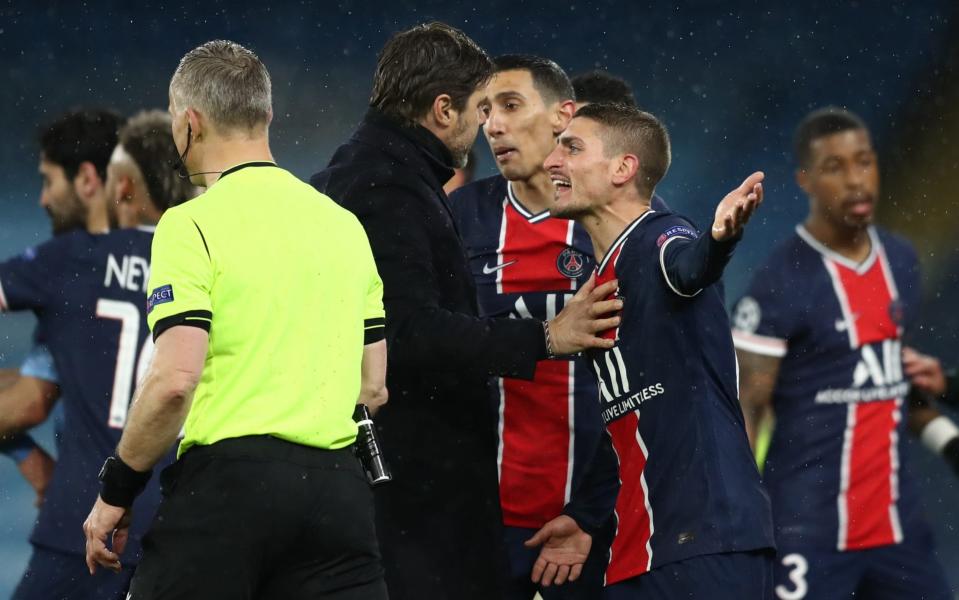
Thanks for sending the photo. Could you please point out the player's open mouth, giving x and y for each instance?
(561, 182)
(504, 153)
(859, 206)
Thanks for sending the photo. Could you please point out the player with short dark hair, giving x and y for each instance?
(828, 362)
(601, 86)
(527, 264)
(86, 290)
(74, 152)
(692, 518)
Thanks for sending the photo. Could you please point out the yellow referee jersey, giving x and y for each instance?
(284, 281)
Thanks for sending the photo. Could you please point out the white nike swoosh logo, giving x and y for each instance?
(488, 269)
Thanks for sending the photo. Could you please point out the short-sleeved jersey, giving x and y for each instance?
(668, 391)
(87, 293)
(529, 265)
(836, 468)
(287, 309)
(39, 364)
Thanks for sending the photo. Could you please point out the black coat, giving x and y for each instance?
(439, 520)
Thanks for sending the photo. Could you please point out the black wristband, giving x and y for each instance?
(120, 484)
(950, 452)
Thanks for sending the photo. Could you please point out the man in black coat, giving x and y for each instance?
(438, 521)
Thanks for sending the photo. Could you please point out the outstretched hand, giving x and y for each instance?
(565, 548)
(737, 207)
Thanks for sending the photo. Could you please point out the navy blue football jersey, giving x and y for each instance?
(88, 293)
(836, 468)
(529, 265)
(668, 393)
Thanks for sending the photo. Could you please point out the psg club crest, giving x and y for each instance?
(571, 263)
(897, 312)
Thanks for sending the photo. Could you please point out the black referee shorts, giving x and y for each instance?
(260, 518)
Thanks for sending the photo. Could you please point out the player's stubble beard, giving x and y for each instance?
(72, 216)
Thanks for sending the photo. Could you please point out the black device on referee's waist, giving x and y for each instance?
(368, 449)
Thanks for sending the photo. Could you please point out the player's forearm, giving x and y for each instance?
(25, 404)
(592, 503)
(156, 418)
(692, 266)
(8, 377)
(757, 380)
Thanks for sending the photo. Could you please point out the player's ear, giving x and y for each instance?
(802, 179)
(124, 189)
(563, 115)
(626, 168)
(87, 181)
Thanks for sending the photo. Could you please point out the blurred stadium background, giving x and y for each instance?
(731, 80)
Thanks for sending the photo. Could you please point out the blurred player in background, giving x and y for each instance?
(87, 291)
(74, 152)
(692, 518)
(528, 264)
(601, 86)
(819, 336)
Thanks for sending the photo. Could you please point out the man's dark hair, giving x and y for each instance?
(419, 64)
(79, 136)
(549, 78)
(600, 86)
(148, 140)
(626, 129)
(819, 124)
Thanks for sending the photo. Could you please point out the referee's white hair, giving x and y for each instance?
(226, 82)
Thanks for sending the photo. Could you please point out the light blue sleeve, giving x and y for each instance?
(39, 364)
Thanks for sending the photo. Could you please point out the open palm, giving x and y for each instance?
(565, 548)
(734, 210)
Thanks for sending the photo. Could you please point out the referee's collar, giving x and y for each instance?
(257, 163)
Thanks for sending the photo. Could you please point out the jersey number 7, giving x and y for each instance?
(129, 316)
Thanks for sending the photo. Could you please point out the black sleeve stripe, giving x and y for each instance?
(371, 336)
(380, 322)
(202, 237)
(193, 318)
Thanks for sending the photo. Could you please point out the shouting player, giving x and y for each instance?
(527, 264)
(87, 291)
(818, 336)
(692, 518)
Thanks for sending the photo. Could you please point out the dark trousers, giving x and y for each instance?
(440, 526)
(261, 518)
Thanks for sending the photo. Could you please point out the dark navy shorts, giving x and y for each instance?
(728, 576)
(906, 571)
(60, 575)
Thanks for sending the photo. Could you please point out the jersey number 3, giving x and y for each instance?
(129, 316)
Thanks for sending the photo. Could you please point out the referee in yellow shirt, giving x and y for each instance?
(266, 309)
